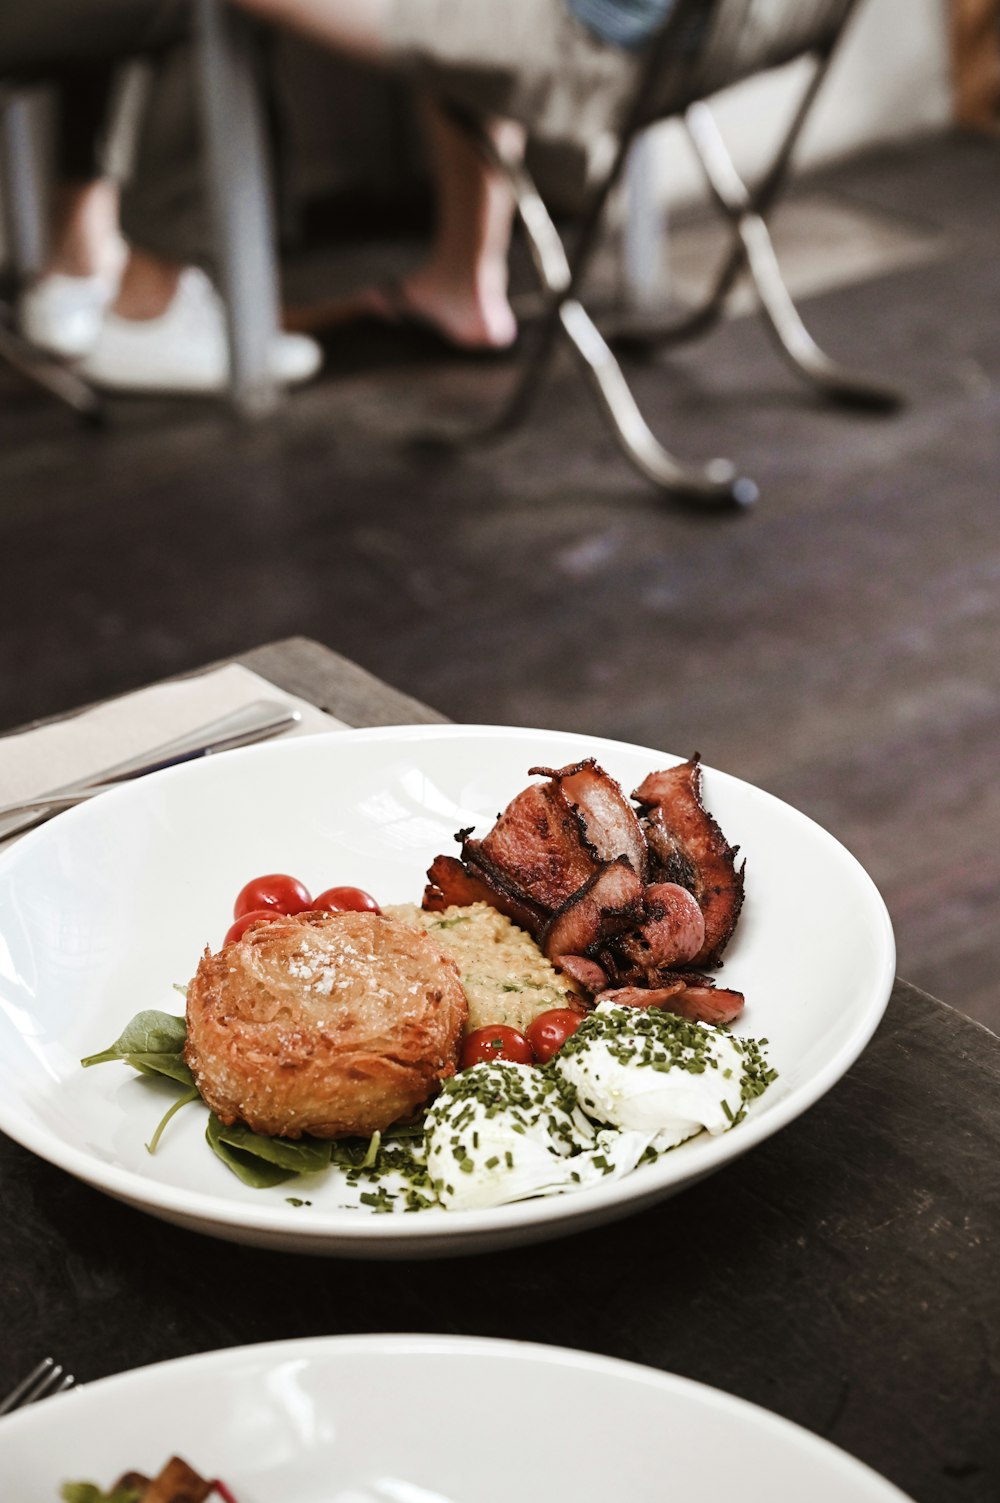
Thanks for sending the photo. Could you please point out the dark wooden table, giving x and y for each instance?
(842, 1274)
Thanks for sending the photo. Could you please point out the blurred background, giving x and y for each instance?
(837, 644)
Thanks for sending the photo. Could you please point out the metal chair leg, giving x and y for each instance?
(24, 218)
(41, 370)
(793, 338)
(745, 209)
(238, 184)
(714, 483)
(706, 314)
(25, 235)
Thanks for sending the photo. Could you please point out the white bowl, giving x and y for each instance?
(104, 908)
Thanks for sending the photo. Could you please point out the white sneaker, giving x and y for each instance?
(185, 350)
(63, 314)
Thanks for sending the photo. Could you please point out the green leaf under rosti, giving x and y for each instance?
(261, 1161)
(153, 1044)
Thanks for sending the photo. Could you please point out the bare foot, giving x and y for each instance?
(459, 315)
(471, 317)
(85, 238)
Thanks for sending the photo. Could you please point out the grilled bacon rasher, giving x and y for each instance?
(630, 902)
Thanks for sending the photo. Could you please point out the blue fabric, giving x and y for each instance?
(624, 23)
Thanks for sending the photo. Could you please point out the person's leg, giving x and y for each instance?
(90, 267)
(88, 259)
(461, 289)
(82, 48)
(83, 237)
(462, 286)
(161, 204)
(62, 308)
(166, 331)
(163, 209)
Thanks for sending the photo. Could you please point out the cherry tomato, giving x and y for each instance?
(496, 1042)
(223, 1491)
(279, 893)
(550, 1030)
(236, 930)
(346, 900)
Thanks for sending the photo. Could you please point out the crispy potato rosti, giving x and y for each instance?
(331, 1024)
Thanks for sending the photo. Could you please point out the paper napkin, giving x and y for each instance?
(33, 762)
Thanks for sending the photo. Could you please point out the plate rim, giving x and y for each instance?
(349, 1228)
(416, 1343)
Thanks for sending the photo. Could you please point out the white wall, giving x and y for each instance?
(890, 80)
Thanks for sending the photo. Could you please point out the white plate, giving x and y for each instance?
(427, 1419)
(105, 907)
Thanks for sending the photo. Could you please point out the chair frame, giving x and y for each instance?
(561, 275)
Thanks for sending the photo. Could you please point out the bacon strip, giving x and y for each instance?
(586, 973)
(688, 847)
(702, 1004)
(609, 826)
(450, 882)
(607, 903)
(708, 1004)
(536, 846)
(619, 902)
(177, 1483)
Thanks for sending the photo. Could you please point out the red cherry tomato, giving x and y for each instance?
(279, 893)
(550, 1030)
(346, 900)
(496, 1042)
(235, 931)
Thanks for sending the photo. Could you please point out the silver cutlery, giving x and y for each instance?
(47, 1378)
(258, 721)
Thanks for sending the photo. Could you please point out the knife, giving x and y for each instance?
(254, 722)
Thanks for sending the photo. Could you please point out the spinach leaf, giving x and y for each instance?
(149, 1033)
(172, 1066)
(251, 1170)
(153, 1044)
(350, 1153)
(302, 1156)
(406, 1129)
(185, 1100)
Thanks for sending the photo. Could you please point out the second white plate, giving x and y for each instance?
(427, 1419)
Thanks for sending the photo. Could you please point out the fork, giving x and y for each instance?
(47, 1378)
